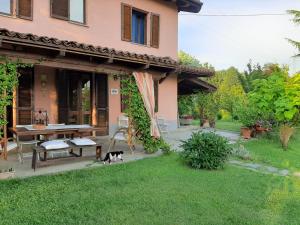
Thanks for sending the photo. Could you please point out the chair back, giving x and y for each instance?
(123, 121)
(40, 117)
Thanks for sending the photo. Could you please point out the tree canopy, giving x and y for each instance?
(296, 20)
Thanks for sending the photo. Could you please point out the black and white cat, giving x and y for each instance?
(113, 156)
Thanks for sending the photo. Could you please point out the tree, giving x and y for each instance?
(296, 20)
(277, 98)
(189, 60)
(229, 89)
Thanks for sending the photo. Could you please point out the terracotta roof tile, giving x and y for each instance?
(43, 41)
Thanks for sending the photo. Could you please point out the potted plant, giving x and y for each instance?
(186, 120)
(248, 117)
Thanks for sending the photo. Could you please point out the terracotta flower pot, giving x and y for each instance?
(246, 132)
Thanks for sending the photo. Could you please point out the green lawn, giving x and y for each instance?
(152, 191)
(228, 125)
(270, 152)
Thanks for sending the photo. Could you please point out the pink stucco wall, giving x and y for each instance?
(103, 26)
(167, 99)
(45, 97)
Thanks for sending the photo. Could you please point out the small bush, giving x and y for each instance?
(240, 151)
(206, 151)
(219, 116)
(166, 148)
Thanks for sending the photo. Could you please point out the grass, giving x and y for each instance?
(223, 125)
(152, 191)
(228, 125)
(270, 151)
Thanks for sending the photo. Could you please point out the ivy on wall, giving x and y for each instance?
(139, 117)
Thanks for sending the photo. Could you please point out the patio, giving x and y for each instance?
(67, 164)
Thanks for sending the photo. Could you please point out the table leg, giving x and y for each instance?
(45, 155)
(98, 152)
(34, 153)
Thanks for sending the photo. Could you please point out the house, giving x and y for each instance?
(80, 47)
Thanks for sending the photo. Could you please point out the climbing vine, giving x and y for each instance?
(139, 117)
(8, 82)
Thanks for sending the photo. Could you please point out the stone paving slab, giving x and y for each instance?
(261, 168)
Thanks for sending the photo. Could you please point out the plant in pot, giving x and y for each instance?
(247, 116)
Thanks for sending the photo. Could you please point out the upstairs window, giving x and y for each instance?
(134, 26)
(6, 7)
(77, 8)
(72, 10)
(139, 27)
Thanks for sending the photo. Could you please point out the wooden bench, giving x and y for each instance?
(39, 149)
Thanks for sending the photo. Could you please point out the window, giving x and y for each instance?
(24, 9)
(77, 11)
(138, 27)
(72, 10)
(134, 25)
(6, 7)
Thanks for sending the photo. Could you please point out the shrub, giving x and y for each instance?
(206, 150)
(240, 151)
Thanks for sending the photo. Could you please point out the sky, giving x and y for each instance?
(234, 41)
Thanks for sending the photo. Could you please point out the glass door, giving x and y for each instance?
(74, 91)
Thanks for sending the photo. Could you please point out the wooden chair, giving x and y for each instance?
(11, 145)
(22, 143)
(125, 133)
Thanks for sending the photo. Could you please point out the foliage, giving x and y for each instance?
(277, 97)
(8, 81)
(253, 72)
(139, 116)
(185, 105)
(189, 60)
(206, 150)
(247, 114)
(207, 105)
(296, 20)
(229, 89)
(240, 151)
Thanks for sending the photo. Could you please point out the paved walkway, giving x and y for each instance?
(174, 137)
(261, 168)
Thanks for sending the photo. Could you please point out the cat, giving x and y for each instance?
(113, 156)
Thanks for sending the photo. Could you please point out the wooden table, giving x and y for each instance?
(72, 130)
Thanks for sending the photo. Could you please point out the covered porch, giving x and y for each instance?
(65, 164)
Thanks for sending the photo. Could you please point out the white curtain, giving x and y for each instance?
(146, 87)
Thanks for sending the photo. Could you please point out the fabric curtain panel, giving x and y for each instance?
(145, 85)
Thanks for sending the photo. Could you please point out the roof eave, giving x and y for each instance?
(192, 6)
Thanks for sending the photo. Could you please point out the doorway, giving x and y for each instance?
(79, 93)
